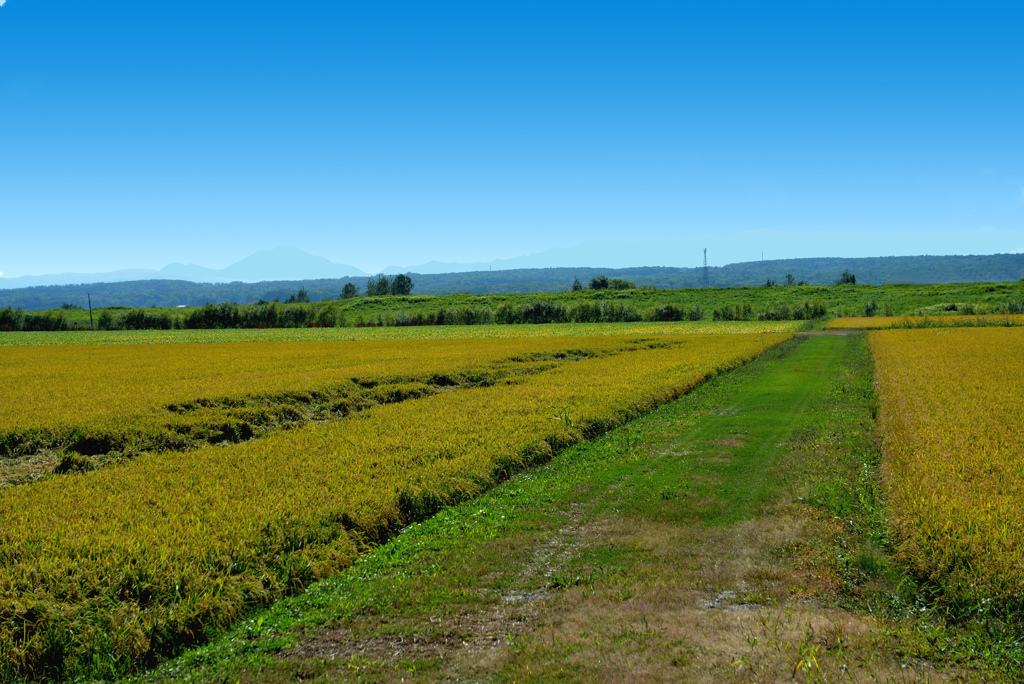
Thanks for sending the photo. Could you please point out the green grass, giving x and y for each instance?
(751, 424)
(784, 442)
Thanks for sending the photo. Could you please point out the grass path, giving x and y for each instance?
(730, 536)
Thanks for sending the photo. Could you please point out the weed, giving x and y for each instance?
(562, 415)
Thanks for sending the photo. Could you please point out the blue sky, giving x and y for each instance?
(134, 134)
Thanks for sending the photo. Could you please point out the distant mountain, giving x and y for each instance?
(600, 254)
(57, 279)
(824, 271)
(436, 267)
(280, 263)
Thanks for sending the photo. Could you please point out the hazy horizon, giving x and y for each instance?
(137, 135)
(287, 262)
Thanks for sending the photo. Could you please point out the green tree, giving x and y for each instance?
(378, 285)
(847, 278)
(11, 319)
(790, 280)
(599, 283)
(619, 284)
(576, 285)
(400, 285)
(105, 321)
(299, 297)
(349, 291)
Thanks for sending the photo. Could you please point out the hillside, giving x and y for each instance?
(821, 271)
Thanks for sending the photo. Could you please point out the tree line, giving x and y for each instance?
(277, 315)
(543, 311)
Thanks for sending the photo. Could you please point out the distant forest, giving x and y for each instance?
(821, 271)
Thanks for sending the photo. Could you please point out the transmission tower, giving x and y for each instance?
(705, 268)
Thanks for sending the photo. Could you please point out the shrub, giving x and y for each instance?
(261, 315)
(44, 321)
(105, 321)
(620, 313)
(139, 319)
(543, 312)
(470, 315)
(506, 314)
(741, 312)
(325, 317)
(584, 312)
(11, 319)
(296, 316)
(213, 316)
(777, 311)
(668, 312)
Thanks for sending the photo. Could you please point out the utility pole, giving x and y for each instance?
(90, 312)
(705, 268)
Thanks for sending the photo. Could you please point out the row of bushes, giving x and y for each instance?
(274, 315)
(1012, 306)
(592, 312)
(776, 311)
(136, 319)
(225, 315)
(12, 320)
(263, 315)
(535, 312)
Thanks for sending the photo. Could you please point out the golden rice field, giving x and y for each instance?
(112, 570)
(437, 332)
(111, 402)
(953, 444)
(882, 322)
(107, 385)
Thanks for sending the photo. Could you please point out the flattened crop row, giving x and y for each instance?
(117, 401)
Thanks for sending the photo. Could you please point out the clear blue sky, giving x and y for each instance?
(136, 133)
